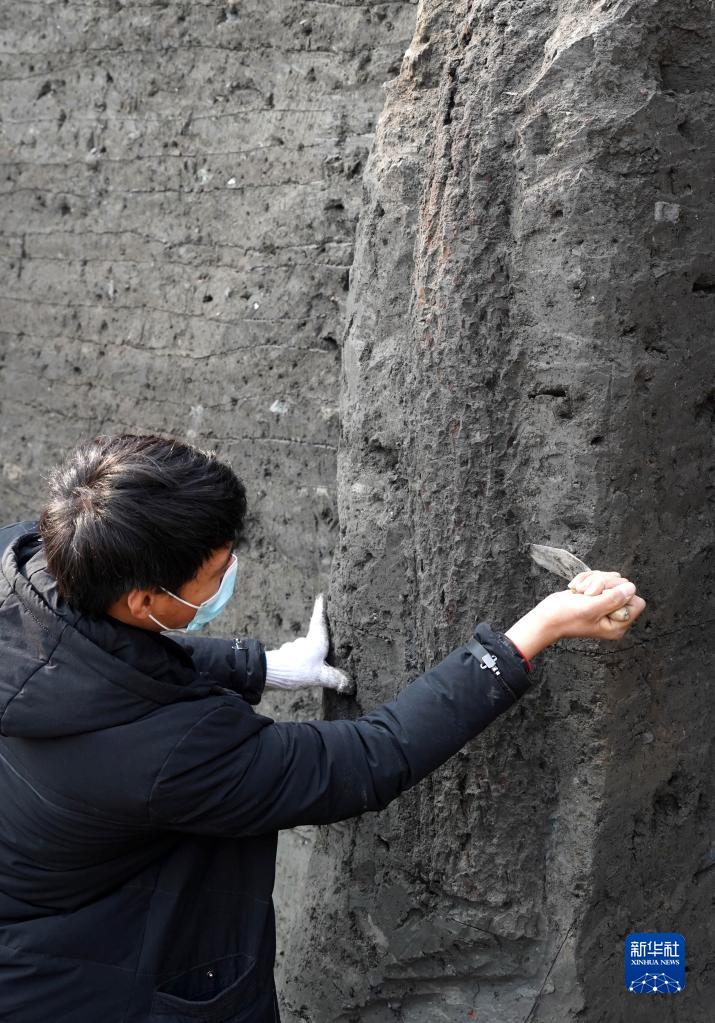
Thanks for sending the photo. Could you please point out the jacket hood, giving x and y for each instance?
(63, 672)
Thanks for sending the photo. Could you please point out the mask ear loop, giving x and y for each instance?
(208, 599)
(162, 626)
(182, 599)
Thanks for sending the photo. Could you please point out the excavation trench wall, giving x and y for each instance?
(428, 321)
(181, 183)
(525, 359)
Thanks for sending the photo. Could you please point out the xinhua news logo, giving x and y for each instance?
(655, 963)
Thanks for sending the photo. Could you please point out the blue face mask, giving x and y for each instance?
(208, 609)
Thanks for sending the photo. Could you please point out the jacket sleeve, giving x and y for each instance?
(317, 772)
(237, 664)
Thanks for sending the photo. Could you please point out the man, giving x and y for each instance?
(141, 793)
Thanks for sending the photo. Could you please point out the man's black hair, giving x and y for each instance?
(136, 511)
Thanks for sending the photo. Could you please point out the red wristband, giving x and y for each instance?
(528, 662)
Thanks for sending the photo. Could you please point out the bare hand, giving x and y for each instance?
(583, 609)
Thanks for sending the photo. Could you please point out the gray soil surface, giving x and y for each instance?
(438, 281)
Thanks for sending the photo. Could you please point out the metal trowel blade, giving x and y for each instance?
(557, 560)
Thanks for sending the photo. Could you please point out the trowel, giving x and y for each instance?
(567, 565)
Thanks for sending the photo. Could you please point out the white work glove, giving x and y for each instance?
(301, 662)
